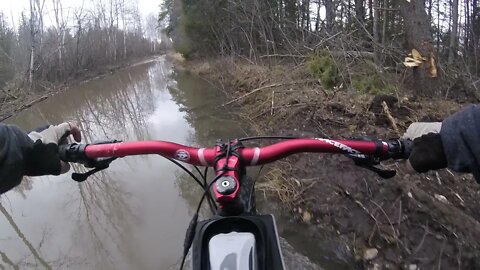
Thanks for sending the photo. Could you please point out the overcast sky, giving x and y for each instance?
(15, 7)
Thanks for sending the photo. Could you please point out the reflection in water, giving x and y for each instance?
(27, 243)
(204, 112)
(133, 215)
(7, 261)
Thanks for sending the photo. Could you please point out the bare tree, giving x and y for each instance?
(376, 36)
(32, 37)
(454, 32)
(329, 15)
(419, 36)
(360, 10)
(124, 31)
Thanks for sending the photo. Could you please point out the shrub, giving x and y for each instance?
(372, 82)
(323, 67)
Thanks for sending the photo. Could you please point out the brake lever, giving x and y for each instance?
(98, 164)
(385, 174)
(368, 163)
(80, 177)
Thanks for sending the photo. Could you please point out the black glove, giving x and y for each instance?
(427, 153)
(43, 158)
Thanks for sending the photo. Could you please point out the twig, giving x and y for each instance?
(393, 123)
(292, 105)
(357, 202)
(327, 39)
(439, 266)
(283, 55)
(459, 257)
(372, 234)
(475, 82)
(388, 219)
(262, 88)
(387, 9)
(273, 98)
(399, 215)
(354, 243)
(10, 94)
(423, 239)
(353, 54)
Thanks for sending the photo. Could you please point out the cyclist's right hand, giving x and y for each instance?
(427, 153)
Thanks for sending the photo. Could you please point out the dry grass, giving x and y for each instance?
(176, 58)
(288, 189)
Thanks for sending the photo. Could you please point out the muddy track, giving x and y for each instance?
(428, 221)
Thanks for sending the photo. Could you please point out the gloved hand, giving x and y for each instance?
(427, 153)
(43, 158)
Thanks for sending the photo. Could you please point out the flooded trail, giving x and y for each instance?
(133, 215)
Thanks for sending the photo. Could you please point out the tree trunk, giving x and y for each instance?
(370, 9)
(453, 34)
(329, 15)
(39, 15)
(32, 48)
(317, 21)
(360, 10)
(124, 31)
(376, 16)
(475, 19)
(419, 37)
(307, 14)
(349, 14)
(385, 22)
(291, 12)
(430, 6)
(466, 40)
(438, 26)
(417, 28)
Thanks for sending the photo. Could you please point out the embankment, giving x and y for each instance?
(409, 222)
(15, 98)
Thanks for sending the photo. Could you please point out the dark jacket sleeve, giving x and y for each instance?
(13, 145)
(461, 140)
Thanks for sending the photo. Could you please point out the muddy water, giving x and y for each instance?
(133, 215)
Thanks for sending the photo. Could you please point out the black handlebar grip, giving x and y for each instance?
(399, 148)
(407, 146)
(72, 152)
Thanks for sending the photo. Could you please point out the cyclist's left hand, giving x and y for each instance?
(43, 158)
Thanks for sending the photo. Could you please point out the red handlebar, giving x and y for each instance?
(251, 156)
(229, 159)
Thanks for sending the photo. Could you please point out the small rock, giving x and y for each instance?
(441, 198)
(370, 254)
(412, 267)
(409, 194)
(307, 217)
(376, 266)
